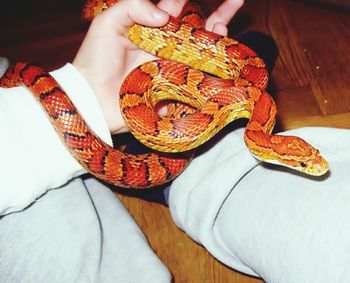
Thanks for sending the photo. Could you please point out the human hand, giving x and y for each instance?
(106, 55)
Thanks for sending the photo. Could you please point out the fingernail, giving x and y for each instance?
(158, 15)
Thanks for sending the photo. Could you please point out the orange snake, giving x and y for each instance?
(206, 103)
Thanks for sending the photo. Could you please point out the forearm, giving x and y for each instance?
(33, 156)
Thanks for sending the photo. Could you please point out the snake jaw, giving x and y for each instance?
(313, 166)
(316, 166)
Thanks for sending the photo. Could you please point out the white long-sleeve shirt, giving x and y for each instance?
(33, 158)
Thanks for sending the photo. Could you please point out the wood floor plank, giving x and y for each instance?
(341, 120)
(322, 67)
(290, 70)
(312, 52)
(296, 103)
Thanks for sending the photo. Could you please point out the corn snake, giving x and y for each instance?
(237, 90)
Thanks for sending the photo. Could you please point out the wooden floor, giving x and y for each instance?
(310, 84)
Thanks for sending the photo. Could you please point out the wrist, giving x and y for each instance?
(83, 97)
(107, 98)
(111, 109)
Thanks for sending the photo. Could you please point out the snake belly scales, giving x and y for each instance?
(214, 79)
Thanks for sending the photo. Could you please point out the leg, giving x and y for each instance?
(64, 237)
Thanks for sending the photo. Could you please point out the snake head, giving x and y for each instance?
(316, 166)
(298, 154)
(313, 166)
(289, 151)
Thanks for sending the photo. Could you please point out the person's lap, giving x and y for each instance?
(288, 227)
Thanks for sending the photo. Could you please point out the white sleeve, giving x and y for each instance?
(33, 158)
(269, 221)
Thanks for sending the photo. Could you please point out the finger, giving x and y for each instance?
(172, 7)
(224, 13)
(220, 28)
(125, 13)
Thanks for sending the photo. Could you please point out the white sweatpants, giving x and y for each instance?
(78, 233)
(269, 221)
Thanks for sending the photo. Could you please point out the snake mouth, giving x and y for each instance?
(316, 166)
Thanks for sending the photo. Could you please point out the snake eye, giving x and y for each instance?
(183, 114)
(302, 164)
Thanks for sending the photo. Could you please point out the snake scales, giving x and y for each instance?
(214, 79)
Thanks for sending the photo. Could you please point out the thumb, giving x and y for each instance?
(125, 13)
